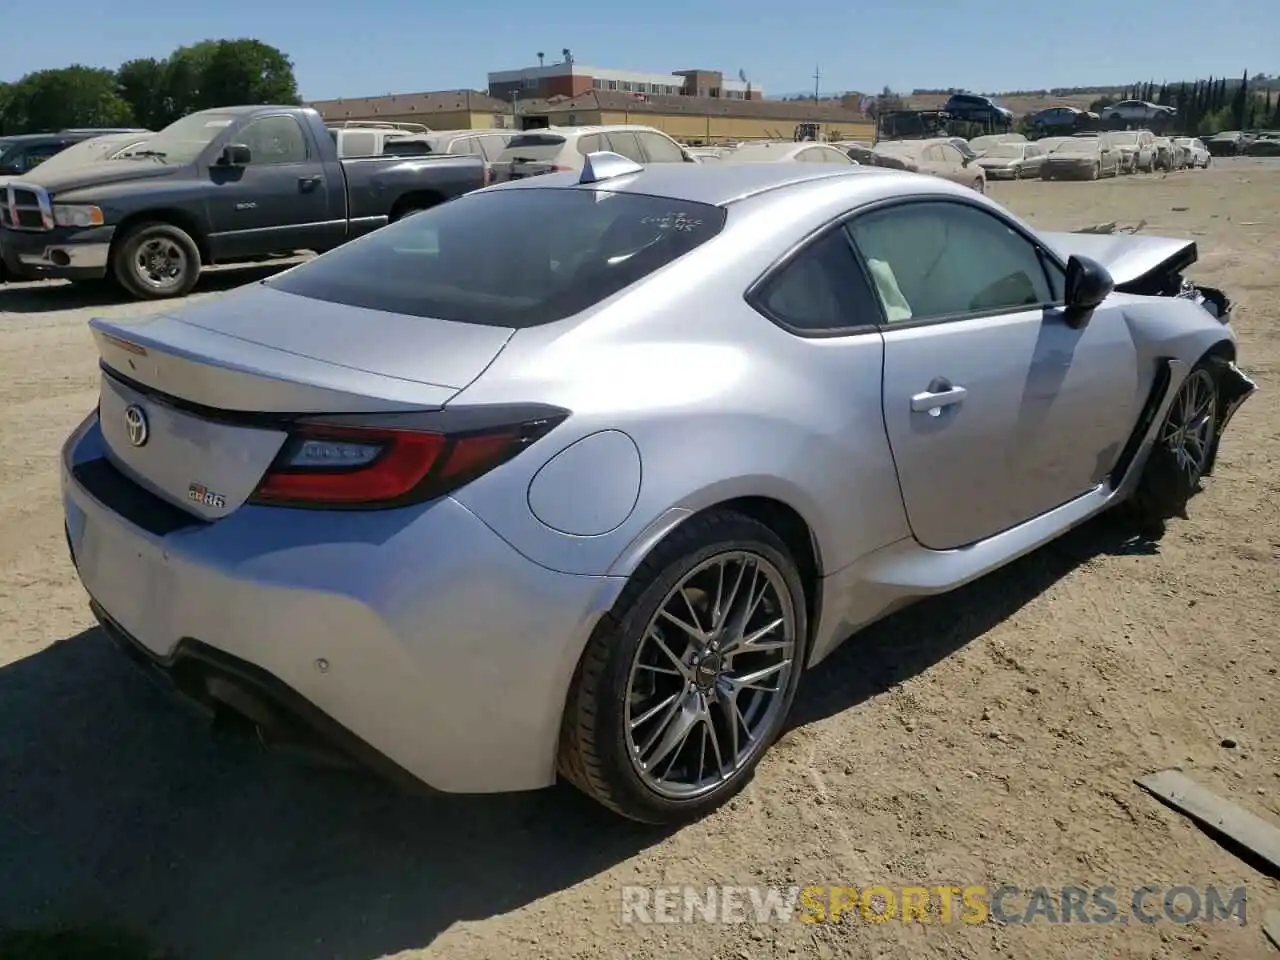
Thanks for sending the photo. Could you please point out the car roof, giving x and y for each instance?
(713, 184)
(17, 138)
(567, 132)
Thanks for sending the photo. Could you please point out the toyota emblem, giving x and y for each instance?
(135, 421)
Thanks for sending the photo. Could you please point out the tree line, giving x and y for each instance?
(1210, 106)
(149, 92)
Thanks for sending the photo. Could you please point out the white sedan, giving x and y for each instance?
(1197, 153)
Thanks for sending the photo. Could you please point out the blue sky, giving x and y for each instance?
(370, 47)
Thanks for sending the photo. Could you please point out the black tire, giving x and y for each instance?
(1168, 482)
(594, 754)
(156, 261)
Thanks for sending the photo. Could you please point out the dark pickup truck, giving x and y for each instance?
(229, 185)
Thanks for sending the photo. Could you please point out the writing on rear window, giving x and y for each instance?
(673, 221)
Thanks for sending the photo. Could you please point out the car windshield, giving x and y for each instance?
(1081, 147)
(509, 258)
(536, 147)
(1008, 151)
(184, 140)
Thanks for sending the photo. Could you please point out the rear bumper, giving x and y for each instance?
(417, 636)
(63, 253)
(216, 681)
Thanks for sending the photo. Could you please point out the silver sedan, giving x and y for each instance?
(575, 476)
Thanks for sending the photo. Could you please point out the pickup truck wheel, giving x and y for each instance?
(154, 261)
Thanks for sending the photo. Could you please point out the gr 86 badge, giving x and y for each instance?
(199, 493)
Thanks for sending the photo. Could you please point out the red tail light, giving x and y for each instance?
(558, 168)
(331, 465)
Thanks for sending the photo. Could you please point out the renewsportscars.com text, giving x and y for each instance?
(972, 904)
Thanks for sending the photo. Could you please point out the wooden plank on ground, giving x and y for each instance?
(1179, 791)
(1271, 926)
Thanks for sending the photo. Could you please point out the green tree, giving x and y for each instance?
(141, 84)
(6, 124)
(247, 71)
(75, 96)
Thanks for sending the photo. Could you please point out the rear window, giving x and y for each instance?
(508, 258)
(533, 147)
(405, 148)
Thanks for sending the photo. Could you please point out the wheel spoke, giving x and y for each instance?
(725, 604)
(656, 709)
(754, 642)
(680, 665)
(676, 733)
(710, 728)
(751, 681)
(693, 632)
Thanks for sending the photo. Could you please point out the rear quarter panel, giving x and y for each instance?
(720, 403)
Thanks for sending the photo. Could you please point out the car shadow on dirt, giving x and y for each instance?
(119, 809)
(51, 296)
(912, 640)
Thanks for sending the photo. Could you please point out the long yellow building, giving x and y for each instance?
(691, 119)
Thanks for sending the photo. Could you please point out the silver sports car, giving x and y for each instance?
(574, 476)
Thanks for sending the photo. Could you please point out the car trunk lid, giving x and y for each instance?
(194, 406)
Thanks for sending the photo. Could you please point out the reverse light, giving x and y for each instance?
(330, 466)
(77, 215)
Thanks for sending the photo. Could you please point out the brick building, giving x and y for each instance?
(571, 79)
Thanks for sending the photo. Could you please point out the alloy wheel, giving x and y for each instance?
(707, 685)
(1188, 431)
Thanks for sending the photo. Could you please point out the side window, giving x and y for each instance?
(491, 147)
(38, 155)
(932, 260)
(591, 143)
(951, 155)
(355, 143)
(822, 288)
(625, 143)
(274, 140)
(659, 149)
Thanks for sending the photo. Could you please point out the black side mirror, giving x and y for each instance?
(235, 155)
(1088, 284)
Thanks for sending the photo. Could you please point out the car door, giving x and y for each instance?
(1032, 160)
(952, 165)
(279, 200)
(995, 408)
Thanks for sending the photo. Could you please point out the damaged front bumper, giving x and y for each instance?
(1234, 388)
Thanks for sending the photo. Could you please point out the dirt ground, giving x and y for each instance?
(988, 737)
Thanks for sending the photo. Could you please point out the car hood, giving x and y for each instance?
(97, 174)
(996, 161)
(1131, 260)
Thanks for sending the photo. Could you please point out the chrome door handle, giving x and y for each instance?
(932, 401)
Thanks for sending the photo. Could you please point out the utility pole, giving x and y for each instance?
(817, 77)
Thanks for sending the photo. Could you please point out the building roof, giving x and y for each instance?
(612, 100)
(402, 104)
